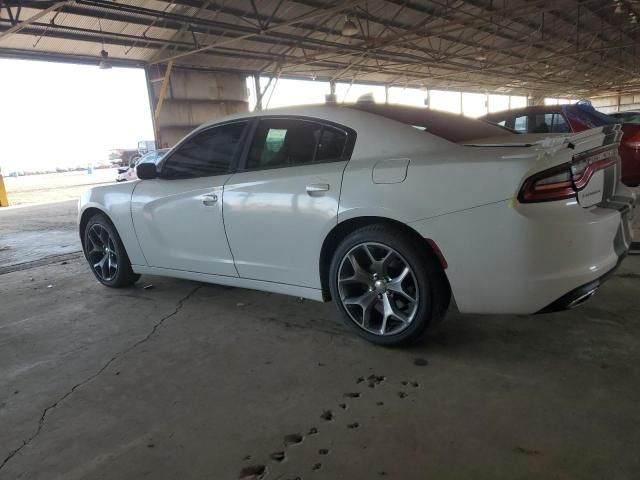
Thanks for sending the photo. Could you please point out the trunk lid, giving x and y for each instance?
(591, 158)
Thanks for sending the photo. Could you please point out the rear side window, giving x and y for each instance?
(332, 143)
(550, 123)
(559, 124)
(289, 142)
(520, 124)
(208, 153)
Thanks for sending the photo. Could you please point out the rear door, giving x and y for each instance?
(281, 206)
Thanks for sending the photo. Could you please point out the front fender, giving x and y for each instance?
(115, 201)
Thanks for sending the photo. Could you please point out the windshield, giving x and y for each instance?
(455, 128)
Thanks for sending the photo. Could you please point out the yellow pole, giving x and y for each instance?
(163, 90)
(4, 200)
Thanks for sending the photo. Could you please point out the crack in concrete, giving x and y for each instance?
(118, 355)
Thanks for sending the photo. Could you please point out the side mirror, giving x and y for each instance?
(146, 171)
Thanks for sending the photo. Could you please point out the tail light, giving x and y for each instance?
(631, 137)
(564, 181)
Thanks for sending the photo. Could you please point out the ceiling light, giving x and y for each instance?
(618, 9)
(634, 19)
(104, 64)
(349, 29)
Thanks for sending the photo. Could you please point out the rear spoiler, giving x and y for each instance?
(611, 134)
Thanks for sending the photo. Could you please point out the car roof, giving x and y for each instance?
(526, 110)
(448, 126)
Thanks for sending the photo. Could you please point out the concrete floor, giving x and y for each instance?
(186, 380)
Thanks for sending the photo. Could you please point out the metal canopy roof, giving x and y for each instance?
(539, 47)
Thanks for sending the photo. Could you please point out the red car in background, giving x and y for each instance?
(575, 118)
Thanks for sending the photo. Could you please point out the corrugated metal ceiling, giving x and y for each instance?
(537, 47)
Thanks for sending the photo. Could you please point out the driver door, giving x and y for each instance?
(178, 216)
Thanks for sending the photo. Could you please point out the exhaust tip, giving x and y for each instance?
(582, 298)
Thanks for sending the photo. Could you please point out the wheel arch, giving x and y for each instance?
(86, 215)
(342, 229)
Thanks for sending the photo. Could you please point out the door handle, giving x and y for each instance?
(317, 188)
(209, 199)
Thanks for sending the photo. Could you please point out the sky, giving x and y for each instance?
(65, 115)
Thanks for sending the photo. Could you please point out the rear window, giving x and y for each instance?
(449, 126)
(627, 117)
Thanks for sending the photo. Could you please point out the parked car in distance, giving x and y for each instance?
(126, 157)
(129, 173)
(386, 210)
(123, 156)
(574, 118)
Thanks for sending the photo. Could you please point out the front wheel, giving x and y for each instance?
(106, 255)
(388, 286)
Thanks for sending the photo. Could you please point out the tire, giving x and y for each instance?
(381, 300)
(105, 253)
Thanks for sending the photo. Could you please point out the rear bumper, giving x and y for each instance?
(580, 294)
(510, 258)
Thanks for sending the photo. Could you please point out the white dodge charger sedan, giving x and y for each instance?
(386, 210)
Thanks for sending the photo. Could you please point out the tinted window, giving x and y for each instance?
(285, 142)
(541, 123)
(520, 124)
(207, 153)
(550, 123)
(559, 124)
(627, 117)
(331, 146)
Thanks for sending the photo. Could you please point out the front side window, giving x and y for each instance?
(289, 142)
(210, 152)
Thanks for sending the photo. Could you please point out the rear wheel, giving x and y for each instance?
(106, 254)
(388, 286)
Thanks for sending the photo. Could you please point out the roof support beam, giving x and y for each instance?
(19, 26)
(289, 23)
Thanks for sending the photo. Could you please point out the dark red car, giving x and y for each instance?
(574, 118)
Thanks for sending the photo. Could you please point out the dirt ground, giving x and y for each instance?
(53, 187)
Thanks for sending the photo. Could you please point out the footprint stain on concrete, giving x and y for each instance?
(253, 472)
(352, 395)
(353, 425)
(374, 380)
(327, 415)
(292, 439)
(323, 451)
(277, 456)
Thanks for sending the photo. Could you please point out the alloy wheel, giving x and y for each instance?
(101, 251)
(378, 288)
